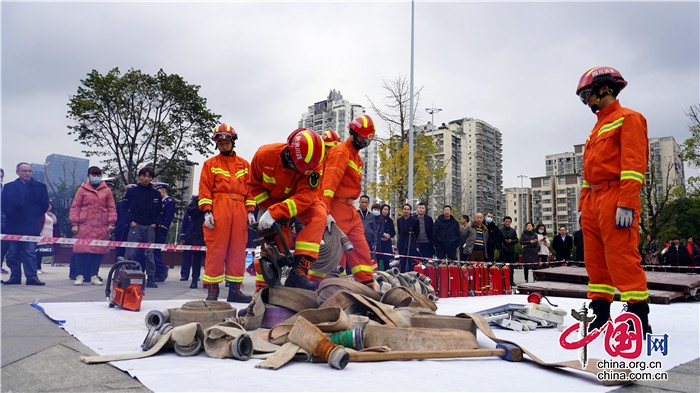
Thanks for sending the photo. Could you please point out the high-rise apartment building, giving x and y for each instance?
(60, 170)
(666, 162)
(518, 207)
(471, 151)
(336, 113)
(555, 201)
(565, 163)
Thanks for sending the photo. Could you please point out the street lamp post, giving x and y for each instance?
(523, 201)
(432, 112)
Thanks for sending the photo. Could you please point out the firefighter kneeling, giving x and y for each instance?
(283, 181)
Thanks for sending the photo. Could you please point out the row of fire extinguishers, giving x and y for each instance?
(460, 279)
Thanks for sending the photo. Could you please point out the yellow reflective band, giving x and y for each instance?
(233, 278)
(632, 175)
(212, 279)
(250, 202)
(585, 184)
(259, 277)
(292, 206)
(365, 122)
(634, 295)
(328, 193)
(287, 190)
(609, 127)
(268, 179)
(261, 197)
(361, 268)
(310, 144)
(316, 274)
(306, 246)
(242, 172)
(601, 288)
(204, 201)
(354, 166)
(220, 171)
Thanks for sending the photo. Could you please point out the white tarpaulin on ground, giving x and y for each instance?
(114, 331)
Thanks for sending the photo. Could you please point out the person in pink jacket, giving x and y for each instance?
(93, 215)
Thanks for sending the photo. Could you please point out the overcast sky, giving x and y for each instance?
(260, 65)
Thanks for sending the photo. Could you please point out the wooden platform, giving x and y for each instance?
(573, 282)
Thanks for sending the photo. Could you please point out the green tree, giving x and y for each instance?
(135, 119)
(691, 147)
(392, 149)
(656, 197)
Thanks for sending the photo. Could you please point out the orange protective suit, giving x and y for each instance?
(286, 193)
(223, 189)
(614, 163)
(341, 186)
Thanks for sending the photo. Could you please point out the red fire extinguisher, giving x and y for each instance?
(453, 271)
(471, 277)
(464, 280)
(443, 280)
(496, 280)
(506, 279)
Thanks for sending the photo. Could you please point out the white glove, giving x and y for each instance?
(209, 220)
(624, 217)
(329, 220)
(266, 221)
(251, 218)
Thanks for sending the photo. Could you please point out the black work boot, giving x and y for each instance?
(212, 291)
(297, 274)
(641, 310)
(601, 310)
(151, 282)
(235, 295)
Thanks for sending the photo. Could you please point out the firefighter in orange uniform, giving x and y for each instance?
(341, 187)
(225, 200)
(330, 139)
(284, 181)
(614, 163)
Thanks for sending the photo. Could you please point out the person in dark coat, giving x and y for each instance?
(426, 245)
(24, 203)
(494, 240)
(446, 235)
(191, 234)
(677, 254)
(162, 230)
(531, 247)
(578, 243)
(693, 252)
(408, 230)
(509, 238)
(562, 245)
(379, 230)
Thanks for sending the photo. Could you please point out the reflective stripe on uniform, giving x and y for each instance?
(601, 288)
(242, 172)
(632, 175)
(609, 127)
(216, 279)
(204, 201)
(261, 197)
(585, 184)
(634, 295)
(268, 179)
(306, 246)
(361, 268)
(354, 166)
(317, 274)
(249, 202)
(328, 193)
(220, 171)
(291, 206)
(233, 278)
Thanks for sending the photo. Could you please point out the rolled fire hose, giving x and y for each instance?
(331, 250)
(205, 312)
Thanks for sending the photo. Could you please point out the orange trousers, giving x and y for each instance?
(226, 243)
(611, 254)
(359, 262)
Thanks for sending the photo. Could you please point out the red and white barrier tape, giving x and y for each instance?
(103, 243)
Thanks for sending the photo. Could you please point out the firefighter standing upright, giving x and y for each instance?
(341, 187)
(614, 163)
(224, 198)
(284, 180)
